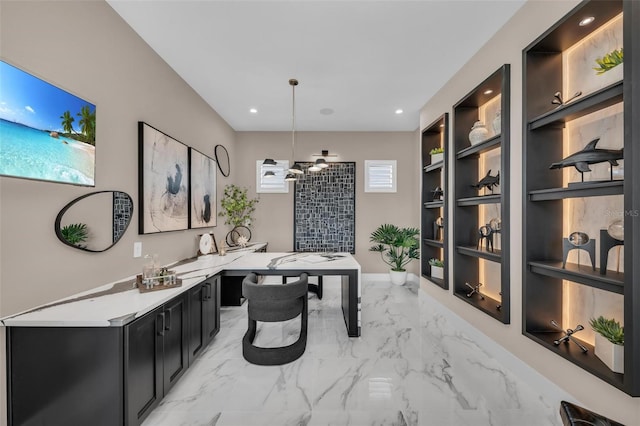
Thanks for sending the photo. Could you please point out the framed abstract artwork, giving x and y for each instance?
(202, 178)
(163, 182)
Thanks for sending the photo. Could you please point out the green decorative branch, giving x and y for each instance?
(438, 150)
(609, 61)
(610, 329)
(236, 206)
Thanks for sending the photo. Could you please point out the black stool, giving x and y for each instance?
(313, 288)
(274, 303)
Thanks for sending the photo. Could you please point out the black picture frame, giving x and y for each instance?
(202, 195)
(163, 182)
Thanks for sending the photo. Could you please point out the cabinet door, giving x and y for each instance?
(197, 320)
(143, 366)
(212, 308)
(175, 351)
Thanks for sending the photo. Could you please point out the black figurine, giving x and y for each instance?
(437, 193)
(590, 155)
(485, 233)
(488, 181)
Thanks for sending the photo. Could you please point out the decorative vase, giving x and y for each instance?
(436, 158)
(497, 123)
(437, 272)
(612, 355)
(398, 277)
(478, 133)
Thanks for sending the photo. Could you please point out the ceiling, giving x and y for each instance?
(357, 61)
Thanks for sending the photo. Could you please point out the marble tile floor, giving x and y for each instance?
(409, 367)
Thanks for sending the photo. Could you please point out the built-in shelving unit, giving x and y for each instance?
(475, 263)
(558, 203)
(434, 239)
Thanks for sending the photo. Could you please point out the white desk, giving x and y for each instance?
(119, 303)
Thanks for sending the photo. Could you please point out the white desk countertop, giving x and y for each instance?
(118, 303)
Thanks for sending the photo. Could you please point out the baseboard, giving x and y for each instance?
(384, 276)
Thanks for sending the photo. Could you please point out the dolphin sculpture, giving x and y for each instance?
(488, 181)
(590, 155)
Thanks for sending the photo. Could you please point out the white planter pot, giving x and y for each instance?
(436, 158)
(612, 355)
(398, 278)
(437, 272)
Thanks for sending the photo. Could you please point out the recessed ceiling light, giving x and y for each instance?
(253, 111)
(326, 111)
(586, 21)
(399, 111)
(488, 91)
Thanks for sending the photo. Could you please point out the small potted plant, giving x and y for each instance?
(397, 247)
(237, 209)
(437, 268)
(75, 234)
(436, 155)
(609, 342)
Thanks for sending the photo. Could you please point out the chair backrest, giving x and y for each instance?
(274, 302)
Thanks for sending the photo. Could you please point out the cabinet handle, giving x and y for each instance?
(161, 328)
(208, 291)
(203, 295)
(168, 324)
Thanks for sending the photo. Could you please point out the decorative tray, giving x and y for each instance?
(163, 282)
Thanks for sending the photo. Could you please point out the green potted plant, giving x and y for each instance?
(75, 234)
(609, 342)
(237, 208)
(397, 247)
(437, 155)
(437, 268)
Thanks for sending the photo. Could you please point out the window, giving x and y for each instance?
(380, 176)
(273, 184)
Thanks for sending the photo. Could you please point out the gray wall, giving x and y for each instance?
(274, 213)
(88, 50)
(506, 46)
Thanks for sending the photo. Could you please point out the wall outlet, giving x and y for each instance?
(137, 249)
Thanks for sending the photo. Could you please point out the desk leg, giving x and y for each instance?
(351, 303)
(231, 291)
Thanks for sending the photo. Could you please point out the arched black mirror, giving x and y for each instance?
(96, 221)
(222, 158)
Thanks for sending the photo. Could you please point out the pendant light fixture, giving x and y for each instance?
(295, 169)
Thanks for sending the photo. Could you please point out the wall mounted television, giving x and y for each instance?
(46, 133)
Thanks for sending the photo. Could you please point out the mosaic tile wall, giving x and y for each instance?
(122, 209)
(325, 209)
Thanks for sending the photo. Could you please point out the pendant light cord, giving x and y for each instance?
(293, 83)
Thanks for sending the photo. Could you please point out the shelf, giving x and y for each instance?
(483, 253)
(573, 353)
(488, 305)
(436, 281)
(484, 146)
(595, 189)
(480, 199)
(433, 243)
(587, 104)
(434, 204)
(432, 167)
(582, 274)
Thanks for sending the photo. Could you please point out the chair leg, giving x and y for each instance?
(316, 288)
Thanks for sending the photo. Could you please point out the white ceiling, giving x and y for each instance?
(361, 59)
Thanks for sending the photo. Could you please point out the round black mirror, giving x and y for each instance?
(96, 221)
(222, 158)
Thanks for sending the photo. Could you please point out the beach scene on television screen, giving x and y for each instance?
(46, 133)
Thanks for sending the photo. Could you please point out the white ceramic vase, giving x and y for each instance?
(398, 278)
(612, 355)
(436, 158)
(478, 133)
(437, 272)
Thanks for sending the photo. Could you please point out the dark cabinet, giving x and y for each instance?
(155, 357)
(108, 375)
(204, 315)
